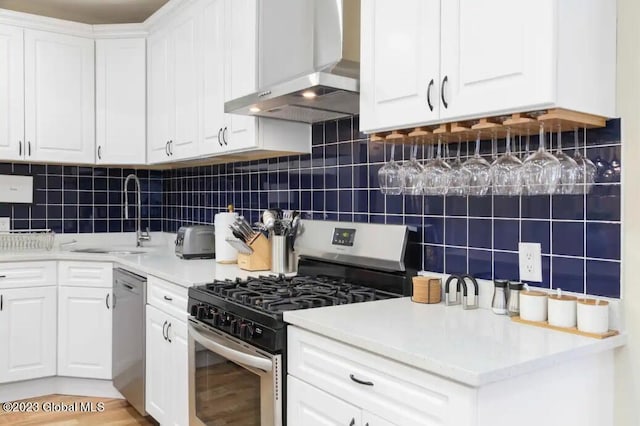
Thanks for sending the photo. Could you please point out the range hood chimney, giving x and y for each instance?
(329, 89)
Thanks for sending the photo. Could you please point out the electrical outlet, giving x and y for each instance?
(530, 255)
(5, 224)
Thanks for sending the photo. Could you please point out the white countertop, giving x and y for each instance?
(159, 260)
(474, 347)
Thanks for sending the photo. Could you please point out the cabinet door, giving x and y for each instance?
(213, 56)
(84, 332)
(497, 56)
(309, 406)
(240, 71)
(186, 88)
(28, 333)
(158, 373)
(11, 93)
(121, 101)
(178, 368)
(369, 419)
(159, 96)
(59, 98)
(400, 57)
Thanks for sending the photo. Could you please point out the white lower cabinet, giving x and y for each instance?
(167, 380)
(84, 332)
(27, 333)
(354, 384)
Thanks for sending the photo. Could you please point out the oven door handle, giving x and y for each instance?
(214, 344)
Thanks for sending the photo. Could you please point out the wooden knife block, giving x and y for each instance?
(260, 259)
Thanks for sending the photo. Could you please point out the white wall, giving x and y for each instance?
(627, 395)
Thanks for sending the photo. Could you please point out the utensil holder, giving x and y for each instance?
(427, 290)
(281, 259)
(260, 259)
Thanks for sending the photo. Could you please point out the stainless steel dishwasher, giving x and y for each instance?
(130, 297)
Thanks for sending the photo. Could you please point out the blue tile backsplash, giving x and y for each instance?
(579, 234)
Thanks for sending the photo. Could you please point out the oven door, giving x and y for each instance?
(231, 382)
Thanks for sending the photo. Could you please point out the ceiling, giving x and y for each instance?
(88, 11)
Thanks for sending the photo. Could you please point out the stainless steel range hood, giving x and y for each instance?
(329, 89)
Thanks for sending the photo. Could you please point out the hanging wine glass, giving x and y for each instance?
(586, 175)
(390, 177)
(506, 172)
(541, 170)
(479, 171)
(411, 173)
(458, 176)
(436, 174)
(568, 169)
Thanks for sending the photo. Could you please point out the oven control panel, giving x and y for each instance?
(343, 237)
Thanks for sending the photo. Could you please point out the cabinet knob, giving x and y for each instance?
(445, 80)
(431, 83)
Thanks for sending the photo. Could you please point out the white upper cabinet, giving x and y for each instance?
(400, 53)
(185, 86)
(59, 98)
(121, 101)
(485, 59)
(159, 98)
(213, 64)
(11, 93)
(28, 332)
(492, 61)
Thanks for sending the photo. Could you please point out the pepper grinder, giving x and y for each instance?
(513, 307)
(499, 301)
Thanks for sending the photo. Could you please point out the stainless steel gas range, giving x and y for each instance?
(237, 337)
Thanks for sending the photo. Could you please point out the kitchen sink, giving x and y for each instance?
(108, 251)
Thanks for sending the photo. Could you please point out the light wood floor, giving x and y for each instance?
(116, 412)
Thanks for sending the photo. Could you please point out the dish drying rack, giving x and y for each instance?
(27, 239)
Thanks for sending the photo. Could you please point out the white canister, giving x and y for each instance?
(562, 311)
(593, 316)
(533, 305)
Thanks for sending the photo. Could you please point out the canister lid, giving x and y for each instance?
(515, 285)
(563, 297)
(533, 293)
(593, 302)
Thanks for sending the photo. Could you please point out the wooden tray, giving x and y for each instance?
(572, 330)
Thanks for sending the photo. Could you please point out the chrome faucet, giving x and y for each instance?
(140, 235)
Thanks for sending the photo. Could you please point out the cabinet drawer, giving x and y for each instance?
(27, 274)
(398, 392)
(85, 274)
(168, 297)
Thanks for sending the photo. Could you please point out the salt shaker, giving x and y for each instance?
(513, 307)
(499, 301)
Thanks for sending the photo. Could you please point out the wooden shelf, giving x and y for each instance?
(572, 330)
(519, 124)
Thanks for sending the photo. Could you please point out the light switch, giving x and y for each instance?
(16, 189)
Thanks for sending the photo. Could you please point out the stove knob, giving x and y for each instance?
(218, 319)
(246, 330)
(211, 314)
(194, 311)
(234, 327)
(202, 312)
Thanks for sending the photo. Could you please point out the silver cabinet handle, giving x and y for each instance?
(353, 422)
(20, 148)
(220, 137)
(445, 80)
(3, 276)
(166, 148)
(431, 83)
(1, 301)
(106, 300)
(99, 152)
(29, 147)
(168, 298)
(224, 136)
(164, 334)
(168, 328)
(171, 147)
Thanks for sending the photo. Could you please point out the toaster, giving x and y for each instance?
(196, 242)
